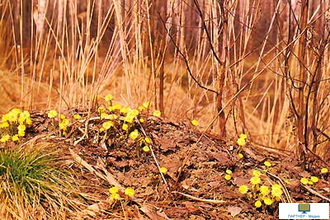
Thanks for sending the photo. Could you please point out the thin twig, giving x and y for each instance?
(213, 201)
(154, 156)
(184, 58)
(316, 193)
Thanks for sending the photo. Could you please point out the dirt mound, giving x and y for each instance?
(202, 176)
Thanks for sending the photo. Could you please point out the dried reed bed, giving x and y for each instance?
(266, 60)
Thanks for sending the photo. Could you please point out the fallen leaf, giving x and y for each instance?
(234, 210)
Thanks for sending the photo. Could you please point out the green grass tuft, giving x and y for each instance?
(34, 178)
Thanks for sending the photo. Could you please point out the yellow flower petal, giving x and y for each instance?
(52, 114)
(304, 181)
(241, 142)
(113, 190)
(324, 170)
(227, 177)
(257, 204)
(267, 164)
(194, 122)
(268, 201)
(157, 113)
(314, 179)
(243, 189)
(129, 192)
(134, 134)
(146, 148)
(163, 170)
(108, 98)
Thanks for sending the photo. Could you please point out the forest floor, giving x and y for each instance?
(196, 184)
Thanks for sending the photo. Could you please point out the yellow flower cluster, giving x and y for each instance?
(311, 181)
(114, 192)
(64, 122)
(242, 140)
(125, 118)
(228, 174)
(263, 193)
(14, 123)
(114, 195)
(63, 125)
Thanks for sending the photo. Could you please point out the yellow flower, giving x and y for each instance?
(114, 196)
(4, 124)
(276, 190)
(324, 170)
(116, 107)
(163, 170)
(108, 124)
(240, 155)
(21, 127)
(15, 137)
(21, 133)
(64, 124)
(147, 140)
(255, 180)
(104, 115)
(243, 189)
(157, 113)
(134, 134)
(124, 127)
(52, 114)
(264, 190)
(4, 138)
(77, 116)
(113, 116)
(12, 116)
(256, 173)
(113, 190)
(268, 201)
(108, 98)
(146, 148)
(141, 120)
(227, 177)
(241, 142)
(194, 122)
(124, 110)
(4, 118)
(129, 118)
(267, 163)
(25, 114)
(304, 181)
(257, 204)
(101, 109)
(243, 136)
(62, 116)
(310, 182)
(314, 179)
(146, 104)
(228, 171)
(28, 121)
(129, 192)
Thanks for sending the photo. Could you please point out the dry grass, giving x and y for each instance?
(92, 52)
